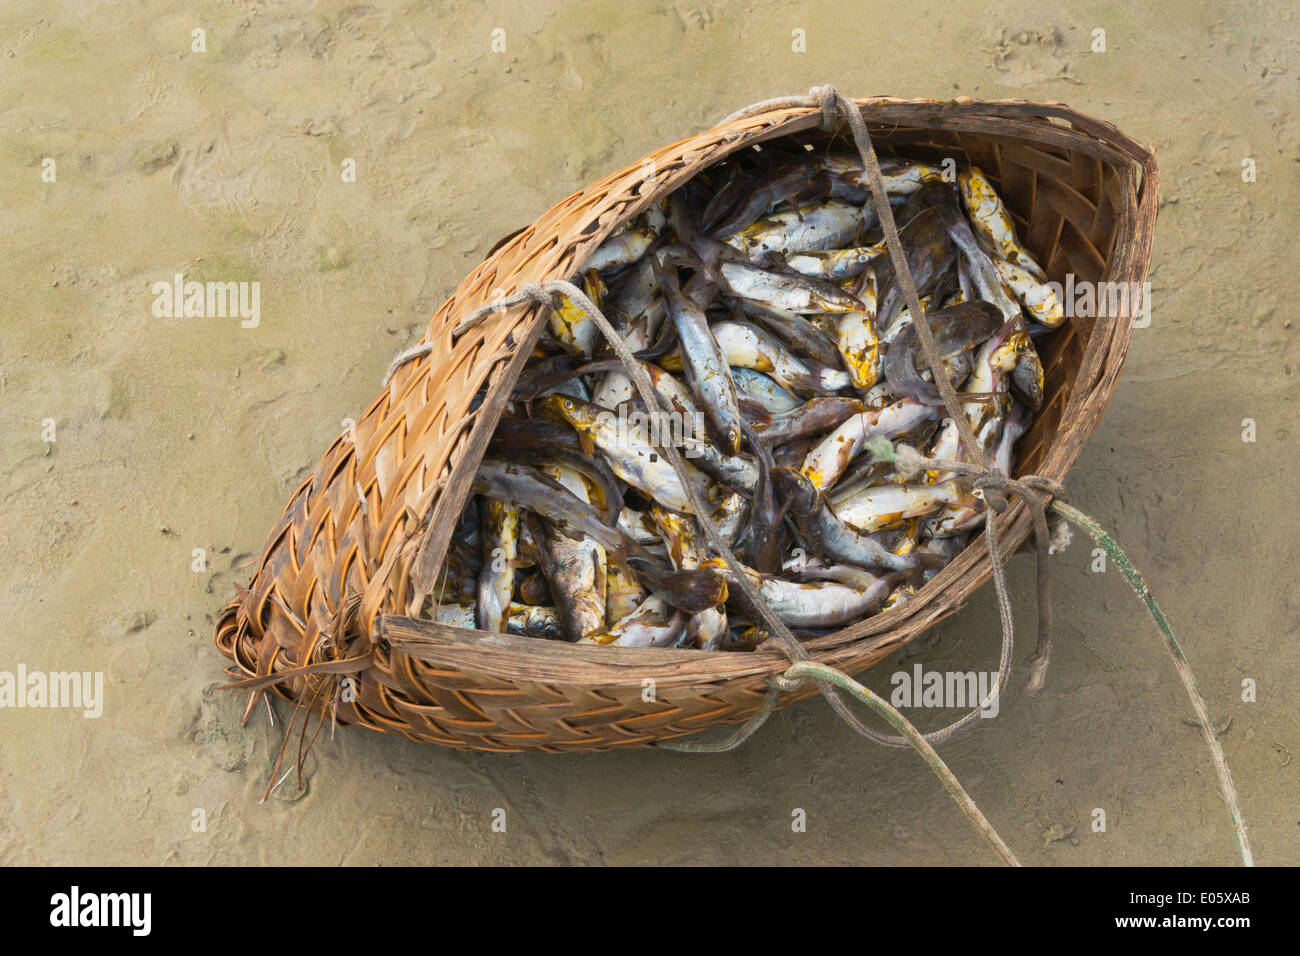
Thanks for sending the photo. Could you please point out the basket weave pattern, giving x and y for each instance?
(335, 580)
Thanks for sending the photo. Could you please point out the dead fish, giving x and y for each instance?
(868, 470)
(1017, 425)
(623, 593)
(802, 336)
(706, 369)
(956, 330)
(535, 621)
(990, 219)
(856, 336)
(738, 184)
(816, 604)
(654, 623)
(827, 225)
(943, 550)
(763, 390)
(570, 324)
(826, 535)
(1027, 376)
(997, 357)
(929, 254)
(635, 309)
(687, 433)
(496, 579)
(706, 628)
(903, 592)
(541, 441)
(776, 187)
(621, 250)
(984, 279)
(813, 417)
(742, 344)
(959, 520)
(901, 177)
(835, 264)
(765, 530)
(730, 513)
(1039, 298)
(828, 459)
(628, 453)
(637, 525)
(785, 290)
(882, 506)
(574, 569)
(806, 567)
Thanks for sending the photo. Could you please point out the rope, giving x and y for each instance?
(528, 292)
(1139, 586)
(830, 102)
(797, 674)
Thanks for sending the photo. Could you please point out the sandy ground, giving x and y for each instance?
(180, 434)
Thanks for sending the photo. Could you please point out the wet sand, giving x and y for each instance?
(181, 434)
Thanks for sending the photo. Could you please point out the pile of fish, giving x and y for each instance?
(764, 308)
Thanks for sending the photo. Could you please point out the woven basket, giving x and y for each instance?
(334, 587)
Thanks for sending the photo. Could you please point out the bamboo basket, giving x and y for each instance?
(334, 588)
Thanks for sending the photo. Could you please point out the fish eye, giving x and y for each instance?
(568, 405)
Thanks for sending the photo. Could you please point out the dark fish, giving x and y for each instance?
(782, 184)
(942, 200)
(929, 254)
(813, 417)
(803, 337)
(957, 330)
(731, 194)
(765, 540)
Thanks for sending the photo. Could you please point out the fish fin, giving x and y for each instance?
(754, 412)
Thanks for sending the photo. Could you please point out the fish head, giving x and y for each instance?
(797, 488)
(939, 197)
(964, 326)
(731, 440)
(582, 416)
(1027, 375)
(691, 590)
(832, 299)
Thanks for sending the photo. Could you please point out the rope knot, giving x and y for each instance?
(548, 295)
(994, 486)
(827, 99)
